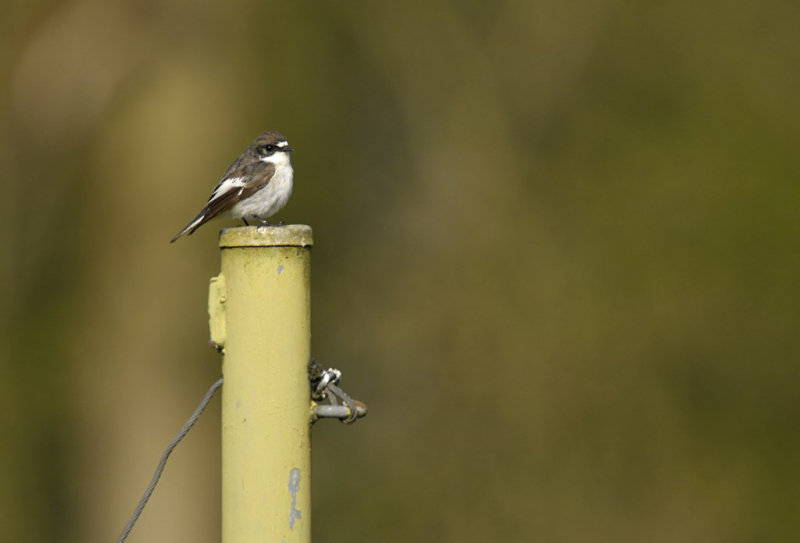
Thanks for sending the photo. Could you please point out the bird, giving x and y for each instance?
(255, 187)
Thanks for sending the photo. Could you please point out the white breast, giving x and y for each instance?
(269, 200)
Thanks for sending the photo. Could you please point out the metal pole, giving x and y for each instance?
(259, 317)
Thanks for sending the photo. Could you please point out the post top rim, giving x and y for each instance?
(290, 235)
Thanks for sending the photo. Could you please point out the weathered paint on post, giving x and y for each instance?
(259, 313)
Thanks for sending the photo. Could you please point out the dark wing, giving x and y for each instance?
(238, 183)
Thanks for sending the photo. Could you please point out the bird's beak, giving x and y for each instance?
(287, 149)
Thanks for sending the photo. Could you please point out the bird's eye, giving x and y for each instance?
(266, 149)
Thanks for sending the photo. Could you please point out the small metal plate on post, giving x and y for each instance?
(290, 235)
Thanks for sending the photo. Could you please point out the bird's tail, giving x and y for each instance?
(196, 223)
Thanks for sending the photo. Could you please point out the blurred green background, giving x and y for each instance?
(556, 253)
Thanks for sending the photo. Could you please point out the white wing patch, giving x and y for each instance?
(227, 185)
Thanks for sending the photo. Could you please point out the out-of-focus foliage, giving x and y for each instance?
(556, 253)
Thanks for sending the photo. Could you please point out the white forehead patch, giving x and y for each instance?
(282, 144)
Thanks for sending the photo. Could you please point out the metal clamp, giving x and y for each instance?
(325, 386)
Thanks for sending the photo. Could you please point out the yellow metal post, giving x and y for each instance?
(260, 318)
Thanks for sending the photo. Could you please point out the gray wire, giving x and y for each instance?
(164, 456)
